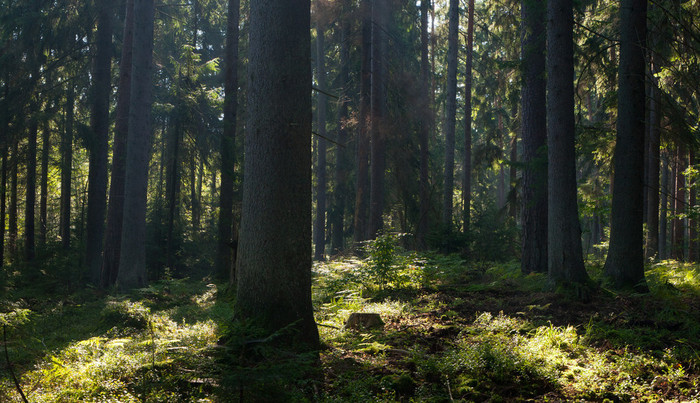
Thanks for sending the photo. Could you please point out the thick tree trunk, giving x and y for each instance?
(321, 148)
(534, 138)
(227, 238)
(565, 255)
(274, 256)
(115, 210)
(362, 185)
(132, 258)
(378, 111)
(450, 112)
(467, 165)
(97, 188)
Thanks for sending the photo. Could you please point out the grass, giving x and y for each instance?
(453, 331)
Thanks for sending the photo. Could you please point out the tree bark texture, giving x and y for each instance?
(132, 258)
(115, 209)
(98, 175)
(534, 138)
(450, 112)
(679, 204)
(44, 185)
(654, 173)
(274, 250)
(467, 164)
(565, 255)
(425, 124)
(30, 180)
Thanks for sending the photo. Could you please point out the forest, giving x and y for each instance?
(349, 200)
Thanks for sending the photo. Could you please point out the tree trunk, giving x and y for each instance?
(378, 111)
(467, 166)
(67, 169)
(115, 210)
(692, 222)
(678, 231)
(654, 164)
(274, 256)
(172, 178)
(97, 179)
(321, 148)
(450, 112)
(424, 134)
(44, 185)
(132, 258)
(625, 262)
(227, 239)
(30, 199)
(663, 214)
(362, 185)
(534, 138)
(337, 216)
(565, 256)
(12, 215)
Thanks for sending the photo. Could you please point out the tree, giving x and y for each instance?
(534, 138)
(565, 256)
(362, 184)
(67, 168)
(450, 112)
(378, 113)
(321, 146)
(115, 210)
(227, 245)
(467, 180)
(132, 258)
(274, 250)
(99, 121)
(625, 262)
(424, 135)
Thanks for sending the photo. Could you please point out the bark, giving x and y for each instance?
(450, 112)
(663, 214)
(321, 148)
(362, 185)
(654, 166)
(12, 215)
(132, 258)
(534, 138)
(342, 168)
(565, 255)
(467, 165)
(172, 178)
(3, 203)
(227, 238)
(424, 135)
(274, 254)
(115, 209)
(625, 262)
(378, 111)
(692, 222)
(97, 179)
(513, 177)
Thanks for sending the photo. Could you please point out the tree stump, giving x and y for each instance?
(361, 320)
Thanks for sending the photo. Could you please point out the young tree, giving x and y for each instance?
(450, 112)
(99, 122)
(115, 210)
(534, 138)
(274, 250)
(625, 262)
(67, 168)
(132, 258)
(467, 180)
(226, 246)
(565, 255)
(424, 135)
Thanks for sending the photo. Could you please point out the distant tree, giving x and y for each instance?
(67, 168)
(30, 182)
(99, 122)
(274, 250)
(424, 135)
(534, 137)
(468, 86)
(362, 182)
(227, 245)
(450, 111)
(132, 259)
(321, 146)
(115, 210)
(565, 261)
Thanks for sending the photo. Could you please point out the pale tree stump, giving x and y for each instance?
(361, 320)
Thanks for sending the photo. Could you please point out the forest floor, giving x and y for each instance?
(452, 331)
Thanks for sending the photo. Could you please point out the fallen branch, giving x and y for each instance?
(9, 365)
